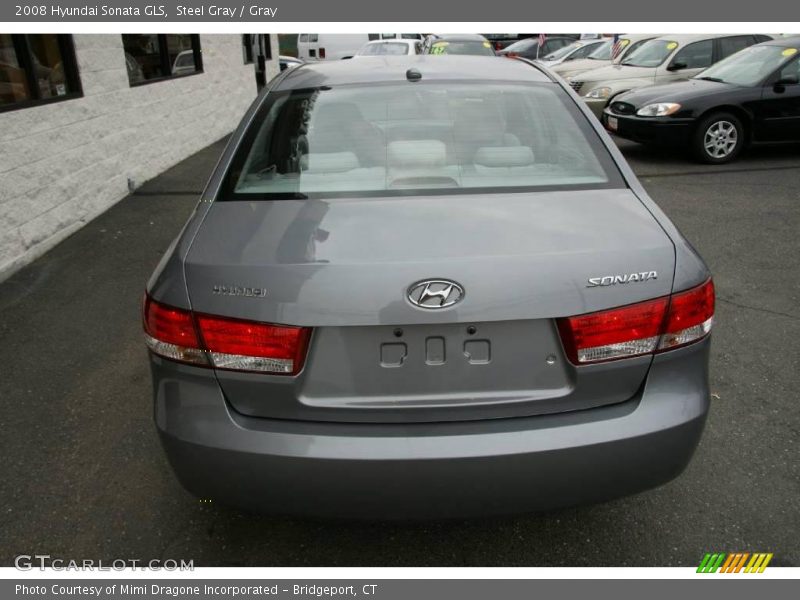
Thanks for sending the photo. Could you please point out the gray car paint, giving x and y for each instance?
(433, 470)
(625, 226)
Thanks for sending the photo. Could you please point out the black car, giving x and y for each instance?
(529, 48)
(750, 97)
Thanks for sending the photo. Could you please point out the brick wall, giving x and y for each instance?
(63, 164)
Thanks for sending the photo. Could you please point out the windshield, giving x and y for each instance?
(565, 51)
(750, 66)
(650, 54)
(475, 48)
(386, 139)
(384, 48)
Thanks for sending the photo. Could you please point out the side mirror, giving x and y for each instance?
(780, 86)
(677, 66)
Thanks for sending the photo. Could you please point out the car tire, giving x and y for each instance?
(718, 138)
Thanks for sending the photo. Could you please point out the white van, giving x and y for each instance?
(335, 46)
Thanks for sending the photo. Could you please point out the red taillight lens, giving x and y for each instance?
(627, 331)
(638, 329)
(170, 332)
(322, 52)
(691, 315)
(249, 346)
(224, 343)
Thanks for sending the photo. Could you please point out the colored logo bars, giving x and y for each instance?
(734, 562)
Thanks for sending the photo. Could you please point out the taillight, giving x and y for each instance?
(224, 343)
(638, 329)
(170, 332)
(691, 315)
(249, 346)
(322, 52)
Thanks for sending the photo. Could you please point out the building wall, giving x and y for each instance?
(62, 164)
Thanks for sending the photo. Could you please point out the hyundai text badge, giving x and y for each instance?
(435, 293)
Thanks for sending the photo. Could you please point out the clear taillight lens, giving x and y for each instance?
(638, 329)
(224, 343)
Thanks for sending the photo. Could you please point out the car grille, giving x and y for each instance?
(576, 85)
(622, 108)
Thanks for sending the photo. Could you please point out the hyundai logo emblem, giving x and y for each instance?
(435, 293)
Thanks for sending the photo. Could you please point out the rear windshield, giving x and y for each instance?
(411, 138)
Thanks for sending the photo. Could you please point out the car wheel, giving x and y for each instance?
(718, 138)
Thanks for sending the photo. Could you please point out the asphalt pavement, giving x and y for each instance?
(83, 475)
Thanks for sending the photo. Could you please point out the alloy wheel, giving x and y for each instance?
(720, 139)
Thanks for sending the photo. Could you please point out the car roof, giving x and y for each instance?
(789, 42)
(460, 37)
(393, 68)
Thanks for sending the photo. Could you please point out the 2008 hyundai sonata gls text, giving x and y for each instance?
(426, 286)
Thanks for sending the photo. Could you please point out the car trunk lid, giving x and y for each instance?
(344, 268)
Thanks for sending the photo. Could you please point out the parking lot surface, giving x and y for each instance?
(84, 476)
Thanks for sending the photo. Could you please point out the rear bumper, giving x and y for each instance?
(656, 130)
(436, 469)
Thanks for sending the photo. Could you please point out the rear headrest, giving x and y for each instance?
(337, 113)
(329, 162)
(417, 153)
(504, 156)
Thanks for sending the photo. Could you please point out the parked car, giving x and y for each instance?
(463, 43)
(401, 297)
(750, 97)
(336, 46)
(390, 47)
(184, 63)
(603, 55)
(575, 51)
(529, 48)
(502, 40)
(661, 60)
(288, 62)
